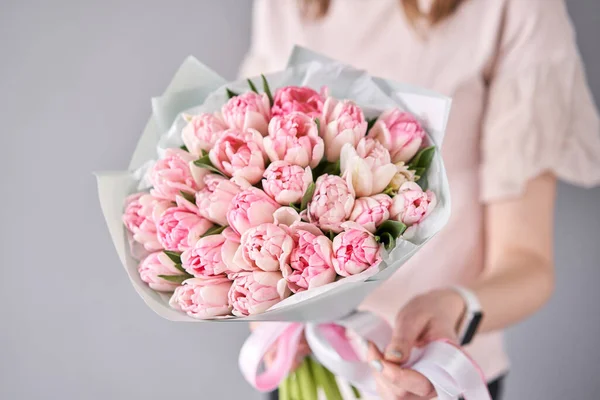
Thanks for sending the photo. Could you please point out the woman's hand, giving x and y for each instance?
(426, 318)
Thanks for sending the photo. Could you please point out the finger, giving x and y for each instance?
(407, 379)
(386, 390)
(407, 331)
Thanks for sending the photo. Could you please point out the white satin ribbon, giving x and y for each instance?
(451, 372)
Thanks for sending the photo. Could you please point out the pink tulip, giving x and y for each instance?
(142, 210)
(201, 132)
(286, 183)
(156, 264)
(302, 99)
(214, 200)
(412, 205)
(400, 132)
(250, 208)
(355, 250)
(370, 212)
(343, 122)
(368, 167)
(311, 262)
(248, 111)
(240, 154)
(266, 247)
(255, 292)
(179, 228)
(176, 173)
(205, 258)
(331, 204)
(294, 138)
(203, 298)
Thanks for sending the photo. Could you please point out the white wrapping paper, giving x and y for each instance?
(195, 88)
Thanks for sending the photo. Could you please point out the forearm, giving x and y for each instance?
(514, 290)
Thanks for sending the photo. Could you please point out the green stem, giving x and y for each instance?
(355, 392)
(294, 387)
(308, 387)
(284, 389)
(326, 380)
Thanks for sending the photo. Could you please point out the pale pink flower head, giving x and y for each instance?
(248, 111)
(214, 200)
(266, 247)
(370, 212)
(331, 204)
(343, 122)
(176, 173)
(179, 228)
(403, 174)
(205, 258)
(367, 168)
(400, 132)
(156, 264)
(240, 154)
(311, 261)
(302, 99)
(142, 210)
(250, 208)
(294, 138)
(201, 132)
(412, 205)
(285, 182)
(255, 292)
(355, 250)
(203, 298)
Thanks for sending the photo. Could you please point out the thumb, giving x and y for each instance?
(407, 331)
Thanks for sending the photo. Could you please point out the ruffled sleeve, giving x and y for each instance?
(540, 113)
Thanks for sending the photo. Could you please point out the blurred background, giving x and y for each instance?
(76, 78)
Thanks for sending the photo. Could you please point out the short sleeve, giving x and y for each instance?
(540, 113)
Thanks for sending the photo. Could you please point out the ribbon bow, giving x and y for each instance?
(451, 372)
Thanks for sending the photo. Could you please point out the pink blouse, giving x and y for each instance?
(521, 106)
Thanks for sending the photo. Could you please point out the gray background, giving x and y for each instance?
(75, 82)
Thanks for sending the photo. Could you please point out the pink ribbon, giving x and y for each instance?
(452, 372)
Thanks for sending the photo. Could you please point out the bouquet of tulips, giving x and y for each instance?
(243, 202)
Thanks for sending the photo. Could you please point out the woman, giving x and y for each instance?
(522, 115)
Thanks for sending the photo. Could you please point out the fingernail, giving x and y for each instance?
(397, 354)
(377, 365)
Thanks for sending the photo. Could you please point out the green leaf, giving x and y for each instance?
(370, 123)
(184, 148)
(332, 168)
(355, 392)
(188, 196)
(423, 158)
(252, 87)
(215, 230)
(204, 152)
(230, 93)
(267, 89)
(175, 256)
(295, 207)
(318, 122)
(294, 386)
(308, 195)
(395, 228)
(175, 278)
(204, 162)
(180, 268)
(388, 241)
